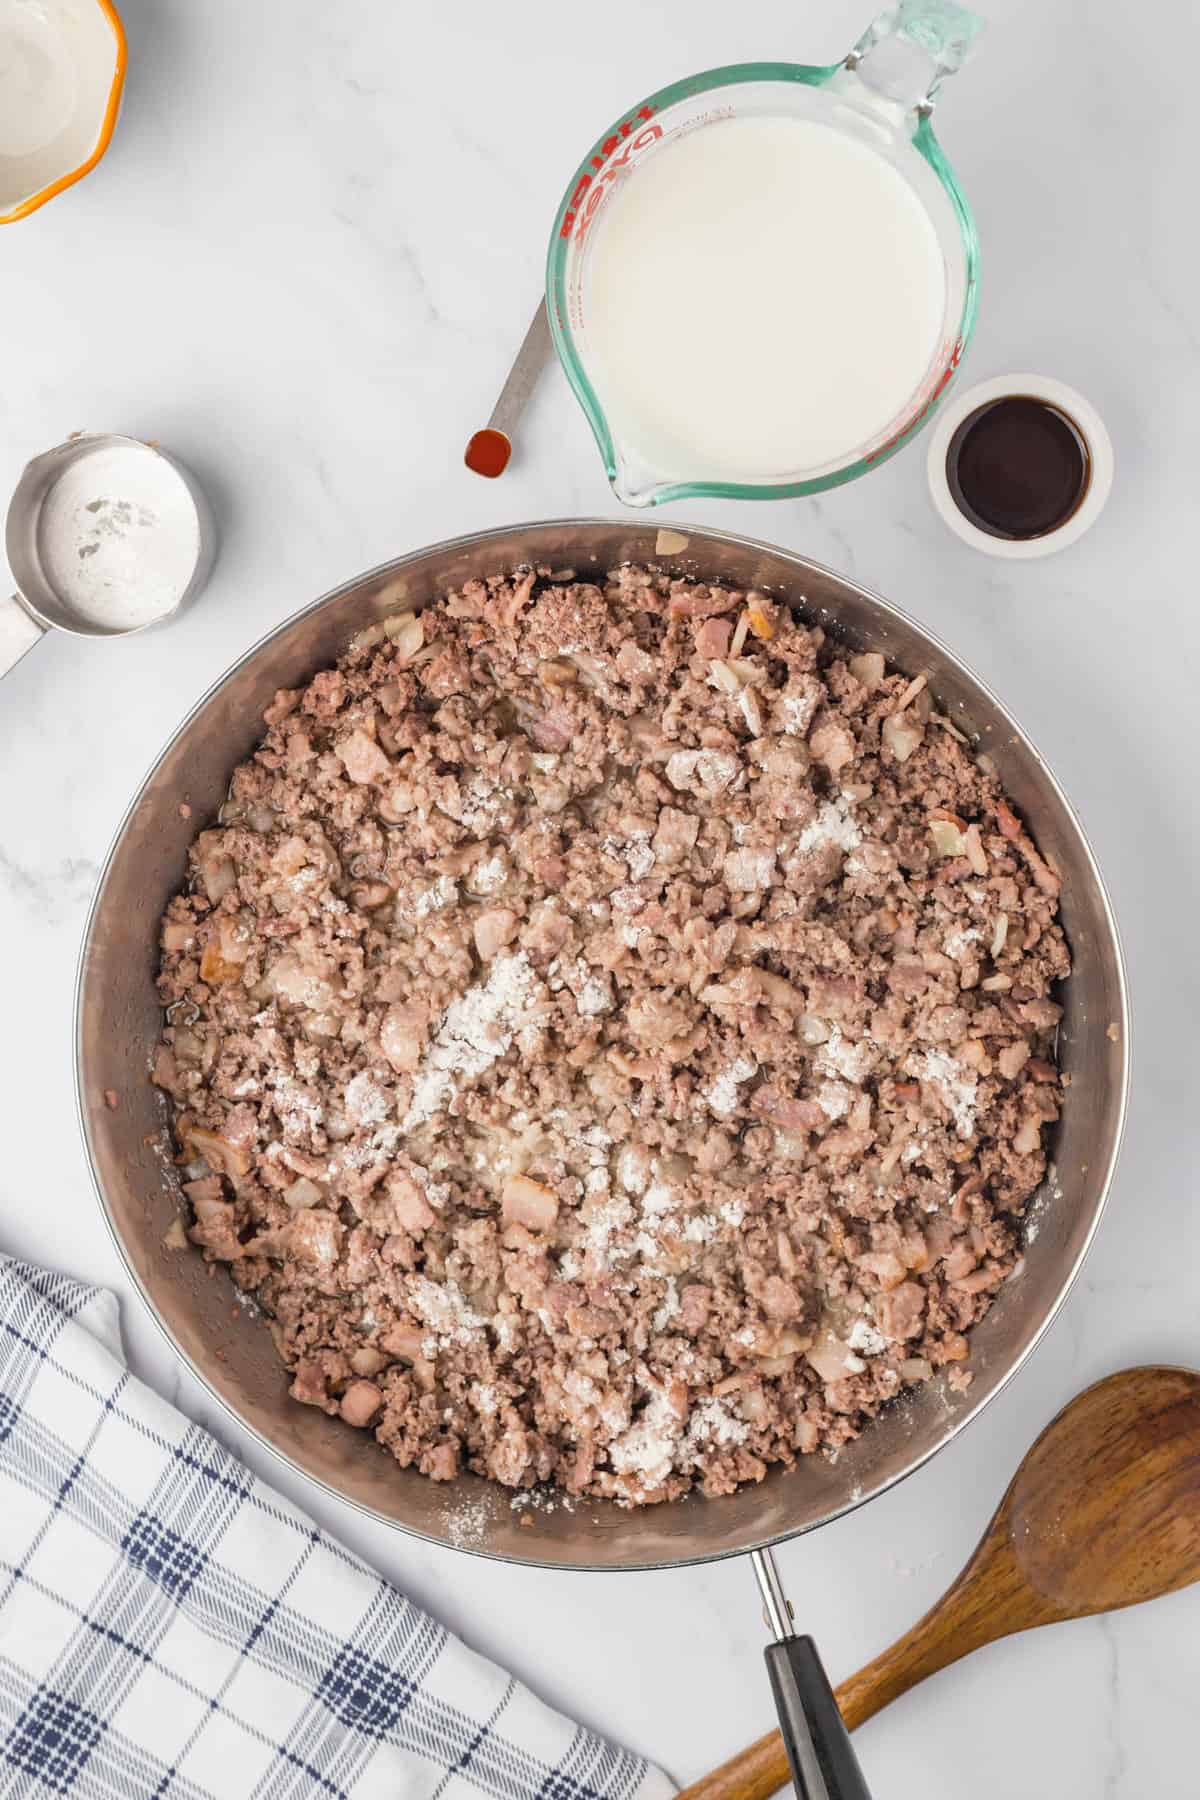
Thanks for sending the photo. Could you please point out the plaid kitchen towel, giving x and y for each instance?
(171, 1626)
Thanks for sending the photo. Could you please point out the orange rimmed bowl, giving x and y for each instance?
(62, 69)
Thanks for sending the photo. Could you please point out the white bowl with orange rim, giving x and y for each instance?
(62, 69)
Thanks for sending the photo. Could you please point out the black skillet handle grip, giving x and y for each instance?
(824, 1766)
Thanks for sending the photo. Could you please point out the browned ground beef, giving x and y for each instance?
(609, 1032)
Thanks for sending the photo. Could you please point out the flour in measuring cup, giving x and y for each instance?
(118, 539)
(765, 296)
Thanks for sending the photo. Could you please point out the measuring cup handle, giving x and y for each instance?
(906, 53)
(19, 632)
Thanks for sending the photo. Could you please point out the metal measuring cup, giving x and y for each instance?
(105, 536)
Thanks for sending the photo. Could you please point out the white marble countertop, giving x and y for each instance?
(304, 265)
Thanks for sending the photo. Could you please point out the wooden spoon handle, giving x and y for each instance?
(755, 1773)
(979, 1608)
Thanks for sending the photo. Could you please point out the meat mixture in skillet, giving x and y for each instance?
(610, 1033)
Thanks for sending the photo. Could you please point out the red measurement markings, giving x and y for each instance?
(613, 154)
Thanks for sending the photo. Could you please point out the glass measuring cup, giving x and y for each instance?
(881, 95)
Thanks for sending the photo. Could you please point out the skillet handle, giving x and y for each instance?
(824, 1766)
(19, 632)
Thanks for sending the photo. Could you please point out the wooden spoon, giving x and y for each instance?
(1103, 1512)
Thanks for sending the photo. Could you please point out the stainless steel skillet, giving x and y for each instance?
(117, 1021)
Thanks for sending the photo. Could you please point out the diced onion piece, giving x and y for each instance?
(218, 876)
(893, 1153)
(406, 632)
(901, 736)
(175, 1237)
(592, 668)
(215, 969)
(739, 635)
(944, 722)
(302, 1193)
(778, 992)
(948, 840)
(976, 855)
(869, 669)
(886, 1267)
(524, 1201)
(1028, 1138)
(832, 1359)
(234, 938)
(681, 767)
(753, 1407)
(915, 687)
(999, 936)
(402, 1036)
(367, 640)
(218, 1152)
(751, 710)
(370, 894)
(717, 994)
(725, 678)
(407, 1342)
(791, 1146)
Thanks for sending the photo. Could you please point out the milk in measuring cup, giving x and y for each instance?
(765, 296)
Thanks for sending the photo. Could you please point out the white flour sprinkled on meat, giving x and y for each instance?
(956, 1085)
(474, 1031)
(722, 1096)
(713, 1421)
(444, 1310)
(443, 892)
(863, 1337)
(610, 1035)
(647, 1451)
(832, 825)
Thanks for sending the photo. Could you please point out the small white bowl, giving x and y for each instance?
(62, 69)
(1091, 428)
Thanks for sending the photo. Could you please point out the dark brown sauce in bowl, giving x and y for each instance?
(1018, 467)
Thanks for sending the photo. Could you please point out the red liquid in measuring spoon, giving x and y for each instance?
(488, 453)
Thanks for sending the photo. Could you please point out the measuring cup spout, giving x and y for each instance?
(905, 54)
(635, 482)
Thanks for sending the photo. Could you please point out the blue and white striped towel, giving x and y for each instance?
(171, 1626)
